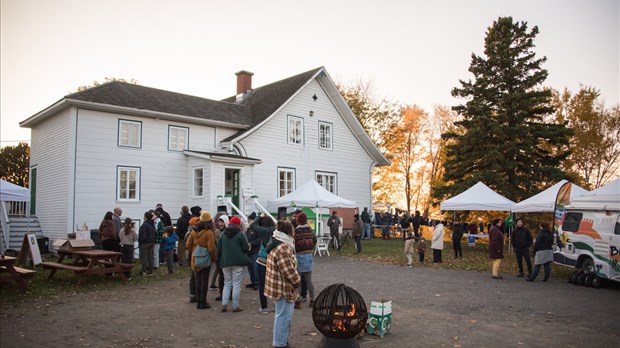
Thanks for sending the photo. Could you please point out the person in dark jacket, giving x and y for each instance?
(181, 231)
(263, 228)
(457, 235)
(163, 215)
(232, 253)
(108, 235)
(366, 221)
(543, 250)
(521, 240)
(146, 242)
(416, 221)
(496, 246)
(254, 241)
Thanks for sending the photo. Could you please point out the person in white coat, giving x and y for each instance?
(437, 241)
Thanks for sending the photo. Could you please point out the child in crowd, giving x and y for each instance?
(169, 241)
(127, 239)
(409, 243)
(422, 249)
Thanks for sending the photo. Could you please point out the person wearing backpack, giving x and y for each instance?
(204, 238)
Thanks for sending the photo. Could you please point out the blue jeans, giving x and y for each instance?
(233, 276)
(358, 244)
(366, 233)
(253, 269)
(282, 322)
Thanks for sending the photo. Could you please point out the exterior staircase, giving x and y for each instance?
(18, 227)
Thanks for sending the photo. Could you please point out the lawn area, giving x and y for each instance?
(377, 250)
(475, 258)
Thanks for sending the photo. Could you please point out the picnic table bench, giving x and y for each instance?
(89, 262)
(15, 274)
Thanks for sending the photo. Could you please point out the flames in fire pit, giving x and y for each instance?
(339, 312)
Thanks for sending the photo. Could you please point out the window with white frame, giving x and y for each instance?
(129, 133)
(286, 181)
(128, 184)
(198, 182)
(295, 130)
(325, 135)
(177, 138)
(327, 180)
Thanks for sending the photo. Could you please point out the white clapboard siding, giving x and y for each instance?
(163, 173)
(347, 158)
(52, 156)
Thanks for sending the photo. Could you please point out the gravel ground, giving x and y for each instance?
(431, 308)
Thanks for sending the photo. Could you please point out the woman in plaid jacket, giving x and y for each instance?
(282, 280)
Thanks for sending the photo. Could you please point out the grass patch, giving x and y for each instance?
(377, 250)
(65, 282)
(475, 258)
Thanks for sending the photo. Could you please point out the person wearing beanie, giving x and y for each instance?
(232, 253)
(192, 279)
(195, 210)
(221, 222)
(205, 237)
(305, 241)
(254, 241)
(263, 227)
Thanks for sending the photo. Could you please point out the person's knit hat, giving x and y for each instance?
(225, 219)
(194, 220)
(302, 218)
(195, 210)
(235, 221)
(206, 216)
(252, 216)
(297, 211)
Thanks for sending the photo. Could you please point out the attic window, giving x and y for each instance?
(295, 130)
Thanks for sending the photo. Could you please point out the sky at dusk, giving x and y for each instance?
(414, 51)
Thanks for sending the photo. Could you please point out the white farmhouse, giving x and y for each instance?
(120, 144)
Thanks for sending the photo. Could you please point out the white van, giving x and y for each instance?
(589, 239)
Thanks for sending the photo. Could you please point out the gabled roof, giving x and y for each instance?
(247, 115)
(266, 100)
(147, 98)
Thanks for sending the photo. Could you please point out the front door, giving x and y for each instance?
(231, 185)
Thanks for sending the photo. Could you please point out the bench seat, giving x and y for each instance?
(56, 265)
(124, 265)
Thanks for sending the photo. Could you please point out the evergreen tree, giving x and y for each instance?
(504, 138)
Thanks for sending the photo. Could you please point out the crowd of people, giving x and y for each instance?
(278, 255)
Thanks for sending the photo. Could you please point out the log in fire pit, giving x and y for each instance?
(339, 313)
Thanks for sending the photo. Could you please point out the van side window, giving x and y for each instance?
(571, 222)
(617, 229)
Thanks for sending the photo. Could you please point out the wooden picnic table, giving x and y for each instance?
(16, 275)
(89, 262)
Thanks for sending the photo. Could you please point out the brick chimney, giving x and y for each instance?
(244, 81)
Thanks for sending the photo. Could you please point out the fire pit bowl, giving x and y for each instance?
(339, 313)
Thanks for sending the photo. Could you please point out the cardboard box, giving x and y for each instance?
(380, 318)
(73, 244)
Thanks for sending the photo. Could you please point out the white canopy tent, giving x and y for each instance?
(12, 192)
(607, 196)
(478, 197)
(544, 201)
(311, 195)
